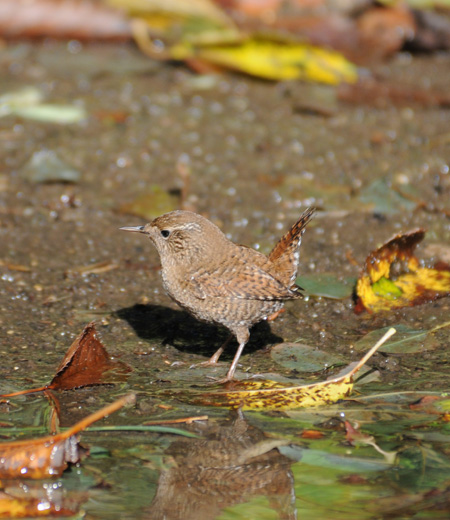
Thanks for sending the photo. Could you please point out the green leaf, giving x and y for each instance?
(326, 285)
(386, 288)
(407, 340)
(297, 356)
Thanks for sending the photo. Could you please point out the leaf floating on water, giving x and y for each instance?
(269, 395)
(46, 166)
(378, 290)
(48, 456)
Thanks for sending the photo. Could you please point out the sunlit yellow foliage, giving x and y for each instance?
(270, 395)
(378, 291)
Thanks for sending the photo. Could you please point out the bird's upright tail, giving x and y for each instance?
(285, 255)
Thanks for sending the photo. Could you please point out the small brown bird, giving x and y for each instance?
(221, 282)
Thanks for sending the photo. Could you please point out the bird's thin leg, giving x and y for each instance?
(232, 369)
(242, 336)
(215, 357)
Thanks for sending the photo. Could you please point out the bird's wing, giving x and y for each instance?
(240, 280)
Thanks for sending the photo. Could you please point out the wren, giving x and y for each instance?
(220, 282)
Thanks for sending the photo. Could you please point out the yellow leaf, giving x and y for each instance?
(415, 285)
(275, 60)
(270, 395)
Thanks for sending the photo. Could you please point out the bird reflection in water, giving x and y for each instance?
(231, 464)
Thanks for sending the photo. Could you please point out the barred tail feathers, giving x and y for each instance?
(285, 255)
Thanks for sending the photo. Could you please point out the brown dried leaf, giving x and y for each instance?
(48, 456)
(372, 92)
(61, 19)
(86, 363)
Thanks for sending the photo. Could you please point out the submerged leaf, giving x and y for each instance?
(407, 340)
(378, 290)
(297, 356)
(270, 395)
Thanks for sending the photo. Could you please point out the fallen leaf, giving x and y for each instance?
(270, 395)
(86, 363)
(327, 285)
(406, 341)
(379, 290)
(46, 166)
(48, 456)
(151, 203)
(303, 358)
(46, 113)
(70, 19)
(274, 60)
(312, 434)
(381, 94)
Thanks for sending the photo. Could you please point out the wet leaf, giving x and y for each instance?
(274, 60)
(151, 204)
(382, 198)
(48, 456)
(87, 363)
(326, 285)
(46, 166)
(379, 290)
(297, 356)
(407, 340)
(270, 395)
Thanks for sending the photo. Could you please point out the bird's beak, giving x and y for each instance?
(135, 229)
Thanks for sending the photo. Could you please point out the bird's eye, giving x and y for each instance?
(165, 233)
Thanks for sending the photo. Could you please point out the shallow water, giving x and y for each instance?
(256, 162)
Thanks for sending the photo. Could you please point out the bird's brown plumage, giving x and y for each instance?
(221, 282)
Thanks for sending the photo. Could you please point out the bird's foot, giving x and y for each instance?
(209, 363)
(220, 381)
